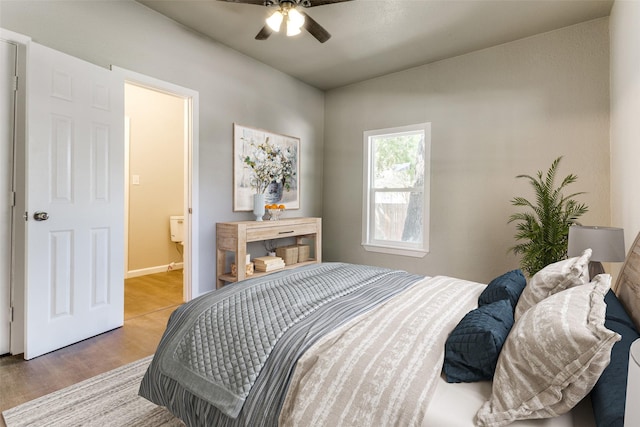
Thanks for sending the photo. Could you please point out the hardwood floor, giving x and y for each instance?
(153, 292)
(149, 300)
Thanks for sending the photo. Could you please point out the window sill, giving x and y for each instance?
(394, 250)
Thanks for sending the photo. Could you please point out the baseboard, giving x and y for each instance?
(153, 270)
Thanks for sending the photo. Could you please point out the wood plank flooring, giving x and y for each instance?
(149, 300)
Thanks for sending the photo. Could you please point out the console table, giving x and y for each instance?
(234, 236)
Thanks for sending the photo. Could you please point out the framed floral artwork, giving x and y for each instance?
(265, 163)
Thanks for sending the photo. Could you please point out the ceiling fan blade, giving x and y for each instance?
(322, 2)
(315, 29)
(256, 2)
(264, 33)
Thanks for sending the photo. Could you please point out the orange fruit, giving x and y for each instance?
(281, 207)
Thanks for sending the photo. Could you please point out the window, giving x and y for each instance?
(396, 190)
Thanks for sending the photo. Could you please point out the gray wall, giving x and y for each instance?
(231, 86)
(495, 113)
(625, 111)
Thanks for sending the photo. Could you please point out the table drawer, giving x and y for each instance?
(280, 231)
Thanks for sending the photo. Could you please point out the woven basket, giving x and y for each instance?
(303, 253)
(289, 254)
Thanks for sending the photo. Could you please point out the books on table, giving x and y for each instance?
(268, 263)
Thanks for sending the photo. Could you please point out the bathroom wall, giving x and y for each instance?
(156, 177)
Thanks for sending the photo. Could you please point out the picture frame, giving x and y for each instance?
(245, 145)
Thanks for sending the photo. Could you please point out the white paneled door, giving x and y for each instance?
(8, 52)
(75, 274)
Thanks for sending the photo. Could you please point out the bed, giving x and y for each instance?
(338, 344)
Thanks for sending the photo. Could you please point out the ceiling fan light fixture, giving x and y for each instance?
(292, 30)
(288, 14)
(275, 21)
(295, 18)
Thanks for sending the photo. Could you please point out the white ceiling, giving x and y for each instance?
(371, 38)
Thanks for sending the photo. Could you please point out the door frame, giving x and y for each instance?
(191, 98)
(18, 245)
(7, 155)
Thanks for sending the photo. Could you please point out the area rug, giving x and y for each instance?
(109, 399)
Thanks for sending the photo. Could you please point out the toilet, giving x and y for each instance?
(176, 228)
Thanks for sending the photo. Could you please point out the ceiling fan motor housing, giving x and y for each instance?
(308, 23)
(303, 3)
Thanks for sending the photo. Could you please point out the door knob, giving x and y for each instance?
(41, 216)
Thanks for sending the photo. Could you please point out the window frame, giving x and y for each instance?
(369, 243)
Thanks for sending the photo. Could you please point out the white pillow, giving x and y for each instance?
(552, 358)
(552, 279)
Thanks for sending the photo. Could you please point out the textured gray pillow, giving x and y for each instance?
(552, 279)
(552, 358)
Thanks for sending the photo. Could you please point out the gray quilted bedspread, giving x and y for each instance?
(216, 350)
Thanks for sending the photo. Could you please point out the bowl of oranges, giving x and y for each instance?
(275, 211)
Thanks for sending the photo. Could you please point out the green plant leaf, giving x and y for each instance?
(543, 232)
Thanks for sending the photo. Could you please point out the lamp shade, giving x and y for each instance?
(292, 30)
(606, 243)
(275, 21)
(295, 18)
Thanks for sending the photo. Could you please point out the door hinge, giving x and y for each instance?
(12, 199)
(11, 314)
(15, 83)
(26, 216)
(190, 210)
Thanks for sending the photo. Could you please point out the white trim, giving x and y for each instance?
(14, 37)
(192, 135)
(387, 249)
(9, 211)
(18, 227)
(154, 270)
(127, 142)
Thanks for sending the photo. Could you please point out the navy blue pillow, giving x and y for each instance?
(609, 395)
(508, 286)
(472, 349)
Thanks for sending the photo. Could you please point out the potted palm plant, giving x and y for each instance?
(543, 230)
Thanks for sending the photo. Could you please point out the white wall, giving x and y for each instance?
(231, 86)
(494, 113)
(625, 117)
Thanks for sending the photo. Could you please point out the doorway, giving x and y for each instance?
(156, 176)
(190, 100)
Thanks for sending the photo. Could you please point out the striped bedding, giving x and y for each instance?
(382, 368)
(226, 358)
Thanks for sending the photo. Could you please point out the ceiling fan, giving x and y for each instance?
(289, 15)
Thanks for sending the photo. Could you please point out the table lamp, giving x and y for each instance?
(606, 243)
